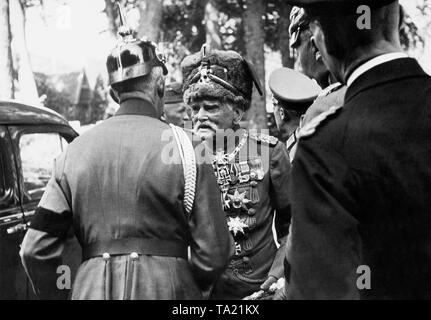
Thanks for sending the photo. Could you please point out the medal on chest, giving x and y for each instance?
(238, 183)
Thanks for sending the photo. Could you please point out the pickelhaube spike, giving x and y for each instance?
(132, 58)
(124, 30)
(204, 50)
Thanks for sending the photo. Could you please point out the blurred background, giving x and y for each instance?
(53, 52)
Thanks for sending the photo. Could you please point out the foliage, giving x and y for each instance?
(410, 35)
(52, 98)
(99, 101)
(183, 23)
(183, 31)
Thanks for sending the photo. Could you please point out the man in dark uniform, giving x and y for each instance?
(293, 93)
(175, 111)
(311, 64)
(361, 180)
(251, 168)
(125, 202)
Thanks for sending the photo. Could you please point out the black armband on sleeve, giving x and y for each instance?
(55, 224)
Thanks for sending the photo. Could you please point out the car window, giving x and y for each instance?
(2, 178)
(5, 171)
(38, 151)
(2, 168)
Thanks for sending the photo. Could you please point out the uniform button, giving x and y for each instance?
(251, 221)
(106, 256)
(248, 245)
(251, 212)
(253, 175)
(134, 256)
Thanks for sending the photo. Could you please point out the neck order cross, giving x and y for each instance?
(222, 168)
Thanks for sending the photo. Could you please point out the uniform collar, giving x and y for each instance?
(392, 70)
(329, 89)
(370, 64)
(136, 103)
(292, 143)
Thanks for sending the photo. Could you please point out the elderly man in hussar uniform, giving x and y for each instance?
(252, 170)
(134, 211)
(360, 185)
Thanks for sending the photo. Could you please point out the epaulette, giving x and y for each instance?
(310, 128)
(262, 137)
(330, 89)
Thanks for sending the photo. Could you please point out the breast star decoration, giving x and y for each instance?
(236, 225)
(239, 200)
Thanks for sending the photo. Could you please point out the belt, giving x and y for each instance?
(142, 246)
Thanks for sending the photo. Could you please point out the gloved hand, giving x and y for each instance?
(268, 283)
(280, 294)
(271, 289)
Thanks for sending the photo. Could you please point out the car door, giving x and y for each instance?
(13, 284)
(35, 148)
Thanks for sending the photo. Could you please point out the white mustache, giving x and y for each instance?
(205, 126)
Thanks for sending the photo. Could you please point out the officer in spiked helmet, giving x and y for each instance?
(111, 185)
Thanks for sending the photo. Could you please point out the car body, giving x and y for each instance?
(30, 138)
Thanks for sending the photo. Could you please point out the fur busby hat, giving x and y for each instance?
(219, 74)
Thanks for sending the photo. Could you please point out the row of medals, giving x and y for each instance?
(239, 177)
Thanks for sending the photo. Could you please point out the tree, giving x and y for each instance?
(425, 9)
(277, 38)
(212, 27)
(112, 15)
(254, 38)
(150, 17)
(151, 13)
(99, 101)
(26, 88)
(6, 65)
(183, 23)
(287, 58)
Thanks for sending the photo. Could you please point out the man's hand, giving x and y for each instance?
(268, 283)
(271, 289)
(280, 294)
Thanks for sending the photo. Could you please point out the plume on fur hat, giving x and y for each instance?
(229, 66)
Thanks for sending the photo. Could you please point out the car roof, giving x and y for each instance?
(15, 112)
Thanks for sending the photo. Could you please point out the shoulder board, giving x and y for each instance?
(310, 128)
(331, 88)
(261, 137)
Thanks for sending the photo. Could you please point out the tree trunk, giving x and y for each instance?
(287, 58)
(151, 15)
(111, 14)
(6, 66)
(213, 37)
(27, 89)
(254, 38)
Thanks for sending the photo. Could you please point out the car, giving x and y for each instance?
(31, 137)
